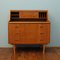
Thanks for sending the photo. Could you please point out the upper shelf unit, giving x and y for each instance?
(28, 15)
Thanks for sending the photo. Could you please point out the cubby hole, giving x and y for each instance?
(43, 16)
(14, 15)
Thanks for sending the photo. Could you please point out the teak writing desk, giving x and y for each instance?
(29, 27)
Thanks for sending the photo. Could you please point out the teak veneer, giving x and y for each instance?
(29, 27)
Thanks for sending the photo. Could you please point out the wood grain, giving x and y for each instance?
(29, 33)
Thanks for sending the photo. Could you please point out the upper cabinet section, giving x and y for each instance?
(28, 15)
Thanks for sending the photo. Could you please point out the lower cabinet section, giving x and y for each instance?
(29, 33)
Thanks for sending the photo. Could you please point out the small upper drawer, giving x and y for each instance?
(28, 14)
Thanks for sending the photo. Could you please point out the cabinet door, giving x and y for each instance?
(30, 32)
(44, 36)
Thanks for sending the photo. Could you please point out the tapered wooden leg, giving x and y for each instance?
(14, 52)
(43, 49)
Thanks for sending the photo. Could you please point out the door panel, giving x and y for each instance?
(31, 33)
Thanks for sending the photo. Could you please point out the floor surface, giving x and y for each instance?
(30, 54)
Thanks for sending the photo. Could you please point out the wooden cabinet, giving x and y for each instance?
(28, 27)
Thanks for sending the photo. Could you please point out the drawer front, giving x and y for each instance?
(44, 27)
(44, 40)
(16, 27)
(28, 14)
(16, 38)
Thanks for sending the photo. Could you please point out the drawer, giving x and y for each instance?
(19, 40)
(16, 27)
(44, 29)
(28, 14)
(44, 40)
(44, 26)
(46, 34)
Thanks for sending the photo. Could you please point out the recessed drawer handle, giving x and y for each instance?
(17, 32)
(41, 26)
(16, 40)
(41, 40)
(42, 33)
